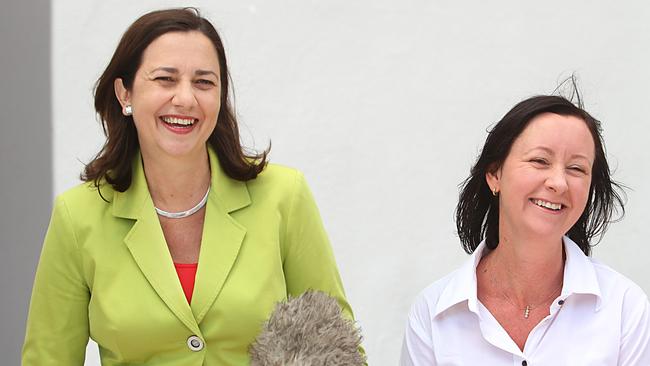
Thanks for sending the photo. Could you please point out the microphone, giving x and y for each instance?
(308, 330)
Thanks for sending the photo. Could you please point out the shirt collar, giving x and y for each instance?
(579, 273)
(462, 284)
(579, 278)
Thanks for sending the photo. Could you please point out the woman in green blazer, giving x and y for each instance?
(172, 188)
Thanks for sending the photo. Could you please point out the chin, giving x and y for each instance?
(546, 230)
(181, 149)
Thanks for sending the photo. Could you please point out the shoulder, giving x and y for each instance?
(425, 305)
(422, 320)
(615, 286)
(277, 174)
(626, 306)
(277, 180)
(621, 300)
(85, 198)
(75, 213)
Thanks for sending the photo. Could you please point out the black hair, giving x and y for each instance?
(477, 212)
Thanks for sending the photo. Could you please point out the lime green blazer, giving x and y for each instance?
(105, 272)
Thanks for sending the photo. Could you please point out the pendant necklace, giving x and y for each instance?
(183, 214)
(526, 310)
(530, 307)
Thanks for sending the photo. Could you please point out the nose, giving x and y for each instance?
(184, 95)
(556, 180)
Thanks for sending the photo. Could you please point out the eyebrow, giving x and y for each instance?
(206, 72)
(173, 70)
(550, 152)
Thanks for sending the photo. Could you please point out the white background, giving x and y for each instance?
(384, 106)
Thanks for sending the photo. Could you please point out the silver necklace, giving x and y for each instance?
(183, 214)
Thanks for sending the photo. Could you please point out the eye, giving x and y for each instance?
(205, 83)
(168, 79)
(539, 161)
(578, 168)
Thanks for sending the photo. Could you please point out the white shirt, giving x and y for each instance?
(600, 318)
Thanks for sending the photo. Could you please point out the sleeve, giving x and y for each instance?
(57, 324)
(309, 262)
(635, 340)
(308, 259)
(417, 346)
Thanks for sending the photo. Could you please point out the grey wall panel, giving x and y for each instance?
(25, 161)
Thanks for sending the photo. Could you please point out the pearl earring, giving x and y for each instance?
(128, 110)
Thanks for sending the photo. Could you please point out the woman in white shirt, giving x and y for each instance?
(530, 294)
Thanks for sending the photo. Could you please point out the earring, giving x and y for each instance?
(128, 110)
(495, 192)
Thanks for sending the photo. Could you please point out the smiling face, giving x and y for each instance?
(544, 182)
(175, 95)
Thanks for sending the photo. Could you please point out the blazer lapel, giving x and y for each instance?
(222, 238)
(147, 245)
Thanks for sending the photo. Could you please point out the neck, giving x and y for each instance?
(177, 183)
(528, 270)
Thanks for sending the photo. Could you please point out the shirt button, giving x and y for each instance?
(195, 343)
(561, 302)
(524, 363)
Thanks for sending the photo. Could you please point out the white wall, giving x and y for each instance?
(384, 106)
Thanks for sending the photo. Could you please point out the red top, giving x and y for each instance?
(187, 273)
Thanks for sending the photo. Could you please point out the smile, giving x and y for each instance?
(178, 121)
(546, 204)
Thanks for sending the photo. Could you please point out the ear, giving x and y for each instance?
(122, 93)
(492, 177)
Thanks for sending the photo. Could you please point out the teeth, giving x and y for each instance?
(179, 121)
(552, 206)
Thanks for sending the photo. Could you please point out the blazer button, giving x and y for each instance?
(195, 343)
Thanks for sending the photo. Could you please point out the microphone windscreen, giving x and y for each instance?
(308, 330)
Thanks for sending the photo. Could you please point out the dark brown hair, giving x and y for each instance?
(113, 162)
(477, 212)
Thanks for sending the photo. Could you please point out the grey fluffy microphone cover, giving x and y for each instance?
(308, 330)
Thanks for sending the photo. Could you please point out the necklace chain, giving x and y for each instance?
(527, 309)
(183, 214)
(530, 307)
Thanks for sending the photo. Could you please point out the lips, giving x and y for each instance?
(178, 124)
(553, 206)
(179, 121)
